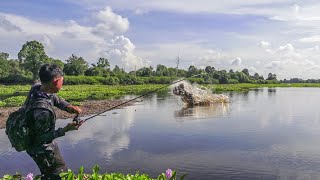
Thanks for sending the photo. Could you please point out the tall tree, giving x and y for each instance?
(256, 76)
(32, 56)
(209, 69)
(192, 70)
(103, 63)
(57, 62)
(4, 64)
(246, 72)
(4, 55)
(272, 76)
(145, 72)
(75, 66)
(161, 70)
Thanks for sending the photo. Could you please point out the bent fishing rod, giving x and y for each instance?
(77, 119)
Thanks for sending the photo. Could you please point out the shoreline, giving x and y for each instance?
(89, 107)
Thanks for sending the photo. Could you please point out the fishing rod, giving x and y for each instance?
(77, 119)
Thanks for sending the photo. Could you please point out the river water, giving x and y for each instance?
(269, 133)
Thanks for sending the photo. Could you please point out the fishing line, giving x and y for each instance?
(77, 118)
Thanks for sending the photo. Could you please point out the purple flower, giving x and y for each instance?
(168, 173)
(29, 176)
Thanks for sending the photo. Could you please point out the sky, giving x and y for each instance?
(277, 36)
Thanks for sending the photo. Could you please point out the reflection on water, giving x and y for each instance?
(268, 133)
(272, 91)
(198, 112)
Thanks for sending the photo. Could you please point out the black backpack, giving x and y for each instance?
(17, 128)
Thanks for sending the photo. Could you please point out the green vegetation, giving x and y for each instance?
(24, 70)
(246, 86)
(168, 175)
(16, 95)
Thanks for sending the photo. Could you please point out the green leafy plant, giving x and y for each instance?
(69, 175)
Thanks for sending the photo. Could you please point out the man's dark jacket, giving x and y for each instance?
(41, 122)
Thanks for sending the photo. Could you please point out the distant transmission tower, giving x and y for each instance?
(177, 68)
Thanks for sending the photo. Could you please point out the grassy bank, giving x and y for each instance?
(246, 87)
(14, 95)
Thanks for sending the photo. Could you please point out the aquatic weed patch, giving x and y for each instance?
(247, 87)
(13, 90)
(16, 95)
(167, 175)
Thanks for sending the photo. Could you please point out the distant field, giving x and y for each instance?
(15, 95)
(246, 87)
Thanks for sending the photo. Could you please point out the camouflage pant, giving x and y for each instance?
(50, 162)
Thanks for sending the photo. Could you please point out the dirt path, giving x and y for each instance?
(88, 107)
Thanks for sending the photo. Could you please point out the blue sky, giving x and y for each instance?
(278, 36)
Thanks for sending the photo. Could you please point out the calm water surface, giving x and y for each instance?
(262, 134)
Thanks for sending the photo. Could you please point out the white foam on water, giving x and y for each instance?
(200, 96)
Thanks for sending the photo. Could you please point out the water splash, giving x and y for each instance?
(193, 95)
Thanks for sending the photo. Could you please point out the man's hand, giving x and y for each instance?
(72, 126)
(74, 109)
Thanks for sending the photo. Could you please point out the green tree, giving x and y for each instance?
(103, 63)
(242, 77)
(93, 71)
(272, 76)
(75, 66)
(192, 70)
(145, 72)
(4, 55)
(256, 76)
(4, 64)
(209, 69)
(57, 62)
(161, 70)
(246, 72)
(32, 56)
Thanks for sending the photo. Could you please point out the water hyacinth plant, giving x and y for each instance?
(29, 176)
(168, 175)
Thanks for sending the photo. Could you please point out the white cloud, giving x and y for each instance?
(115, 136)
(110, 23)
(121, 49)
(7, 25)
(139, 11)
(236, 62)
(292, 29)
(264, 44)
(273, 65)
(65, 38)
(311, 39)
(206, 6)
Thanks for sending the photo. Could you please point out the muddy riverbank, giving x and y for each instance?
(88, 107)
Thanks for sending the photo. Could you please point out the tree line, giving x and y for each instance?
(77, 70)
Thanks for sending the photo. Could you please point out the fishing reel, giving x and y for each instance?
(76, 119)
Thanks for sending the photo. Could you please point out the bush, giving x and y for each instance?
(233, 81)
(196, 80)
(16, 79)
(74, 80)
(112, 80)
(272, 81)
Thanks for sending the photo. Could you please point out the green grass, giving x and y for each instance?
(16, 95)
(246, 87)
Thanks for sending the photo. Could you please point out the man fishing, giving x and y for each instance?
(41, 120)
